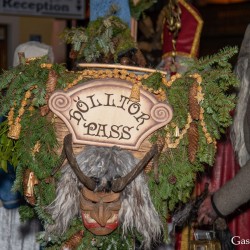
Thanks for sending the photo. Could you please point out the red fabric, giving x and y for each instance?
(178, 241)
(224, 169)
(186, 36)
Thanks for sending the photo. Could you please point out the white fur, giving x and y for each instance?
(242, 70)
(137, 211)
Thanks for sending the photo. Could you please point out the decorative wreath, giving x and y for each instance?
(202, 99)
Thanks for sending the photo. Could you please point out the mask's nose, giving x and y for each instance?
(101, 214)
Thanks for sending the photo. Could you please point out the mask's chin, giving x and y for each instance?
(96, 228)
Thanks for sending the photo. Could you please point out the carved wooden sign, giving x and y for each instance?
(99, 112)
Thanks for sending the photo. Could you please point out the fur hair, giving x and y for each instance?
(242, 71)
(137, 210)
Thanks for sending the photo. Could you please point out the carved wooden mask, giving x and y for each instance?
(100, 211)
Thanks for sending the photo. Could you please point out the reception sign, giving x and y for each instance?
(100, 112)
(66, 9)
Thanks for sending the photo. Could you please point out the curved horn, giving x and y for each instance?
(119, 184)
(84, 179)
(60, 162)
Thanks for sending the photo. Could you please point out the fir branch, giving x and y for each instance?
(103, 38)
(206, 152)
(178, 98)
(219, 60)
(154, 81)
(138, 9)
(171, 192)
(26, 213)
(41, 213)
(8, 154)
(18, 184)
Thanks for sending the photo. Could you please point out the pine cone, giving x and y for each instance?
(172, 179)
(160, 143)
(193, 138)
(194, 107)
(51, 82)
(74, 241)
(50, 88)
(44, 110)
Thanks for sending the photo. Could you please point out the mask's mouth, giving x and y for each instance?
(89, 219)
(96, 228)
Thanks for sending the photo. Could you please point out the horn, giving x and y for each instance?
(119, 184)
(60, 162)
(84, 179)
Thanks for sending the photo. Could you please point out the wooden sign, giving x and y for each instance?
(99, 112)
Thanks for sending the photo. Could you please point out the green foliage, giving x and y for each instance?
(154, 81)
(8, 152)
(56, 242)
(34, 128)
(178, 98)
(74, 36)
(40, 209)
(115, 241)
(18, 184)
(26, 213)
(177, 179)
(177, 175)
(138, 9)
(104, 39)
(206, 152)
(216, 61)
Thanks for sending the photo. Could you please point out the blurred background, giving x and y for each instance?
(225, 22)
